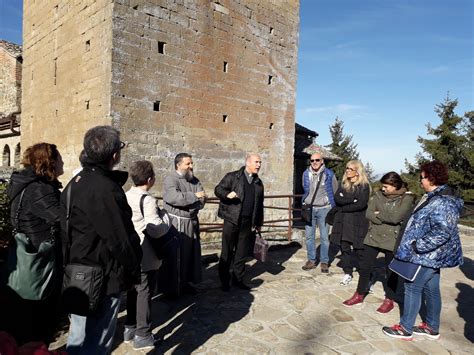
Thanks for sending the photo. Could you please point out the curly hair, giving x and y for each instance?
(436, 172)
(42, 157)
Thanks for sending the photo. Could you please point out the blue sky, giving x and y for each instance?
(379, 65)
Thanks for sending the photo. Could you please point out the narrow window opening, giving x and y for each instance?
(161, 47)
(157, 106)
(88, 45)
(271, 126)
(271, 30)
(226, 67)
(135, 7)
(56, 113)
(224, 118)
(87, 104)
(55, 70)
(270, 78)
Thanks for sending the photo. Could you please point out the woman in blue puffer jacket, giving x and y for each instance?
(431, 239)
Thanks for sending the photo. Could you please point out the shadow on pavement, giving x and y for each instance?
(465, 299)
(188, 322)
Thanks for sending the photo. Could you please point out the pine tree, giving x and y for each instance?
(370, 172)
(342, 146)
(453, 145)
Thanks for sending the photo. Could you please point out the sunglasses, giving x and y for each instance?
(422, 177)
(315, 160)
(350, 169)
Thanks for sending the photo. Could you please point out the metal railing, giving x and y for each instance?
(274, 223)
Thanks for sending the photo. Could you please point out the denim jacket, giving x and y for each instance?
(431, 237)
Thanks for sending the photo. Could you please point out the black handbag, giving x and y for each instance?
(331, 216)
(83, 285)
(307, 210)
(164, 246)
(30, 273)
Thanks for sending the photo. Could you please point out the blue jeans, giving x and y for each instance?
(94, 334)
(319, 220)
(423, 292)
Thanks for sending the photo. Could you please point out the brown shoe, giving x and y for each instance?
(309, 265)
(324, 268)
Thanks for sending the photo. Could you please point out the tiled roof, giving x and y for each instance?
(12, 48)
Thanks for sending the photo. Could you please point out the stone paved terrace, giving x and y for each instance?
(291, 311)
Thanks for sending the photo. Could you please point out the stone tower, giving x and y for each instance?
(212, 78)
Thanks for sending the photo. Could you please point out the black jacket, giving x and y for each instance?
(101, 228)
(230, 209)
(39, 214)
(350, 223)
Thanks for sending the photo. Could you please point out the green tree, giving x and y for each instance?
(370, 172)
(452, 144)
(342, 146)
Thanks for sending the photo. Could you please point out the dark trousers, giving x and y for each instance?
(236, 242)
(346, 256)
(367, 263)
(139, 304)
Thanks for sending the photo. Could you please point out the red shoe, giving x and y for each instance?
(356, 299)
(386, 306)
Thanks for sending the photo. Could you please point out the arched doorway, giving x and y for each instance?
(6, 156)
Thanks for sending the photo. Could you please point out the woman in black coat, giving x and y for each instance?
(39, 219)
(350, 225)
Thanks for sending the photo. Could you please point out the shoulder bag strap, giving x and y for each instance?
(142, 200)
(68, 229)
(317, 188)
(17, 214)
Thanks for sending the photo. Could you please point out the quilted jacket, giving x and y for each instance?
(431, 237)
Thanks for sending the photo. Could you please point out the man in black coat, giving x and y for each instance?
(101, 234)
(241, 206)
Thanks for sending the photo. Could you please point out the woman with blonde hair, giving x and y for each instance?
(350, 225)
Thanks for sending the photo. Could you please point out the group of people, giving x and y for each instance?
(424, 235)
(94, 222)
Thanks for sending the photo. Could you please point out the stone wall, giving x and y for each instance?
(212, 78)
(215, 79)
(67, 49)
(10, 82)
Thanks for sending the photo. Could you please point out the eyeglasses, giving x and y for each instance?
(350, 169)
(123, 144)
(423, 177)
(315, 160)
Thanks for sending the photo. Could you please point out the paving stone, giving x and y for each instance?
(341, 316)
(349, 332)
(360, 348)
(265, 313)
(286, 332)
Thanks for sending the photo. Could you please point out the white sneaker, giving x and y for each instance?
(346, 280)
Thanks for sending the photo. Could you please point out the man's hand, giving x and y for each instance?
(231, 195)
(200, 194)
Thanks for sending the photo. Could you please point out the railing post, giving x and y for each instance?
(290, 204)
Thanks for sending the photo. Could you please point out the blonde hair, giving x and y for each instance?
(362, 178)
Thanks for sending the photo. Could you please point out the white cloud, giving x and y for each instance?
(340, 108)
